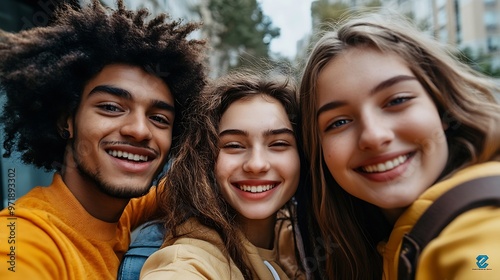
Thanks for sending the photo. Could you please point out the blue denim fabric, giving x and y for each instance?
(148, 240)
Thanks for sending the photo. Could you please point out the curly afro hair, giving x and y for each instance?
(43, 70)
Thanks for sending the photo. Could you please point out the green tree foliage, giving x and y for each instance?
(480, 62)
(325, 14)
(244, 32)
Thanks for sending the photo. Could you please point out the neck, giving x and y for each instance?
(260, 232)
(392, 215)
(97, 203)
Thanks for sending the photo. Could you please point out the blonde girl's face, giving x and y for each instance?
(258, 163)
(381, 134)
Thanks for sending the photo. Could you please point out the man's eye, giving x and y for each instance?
(110, 108)
(160, 119)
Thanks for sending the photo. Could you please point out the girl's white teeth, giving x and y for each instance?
(129, 156)
(388, 165)
(256, 189)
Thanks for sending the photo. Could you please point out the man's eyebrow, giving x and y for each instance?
(123, 93)
(111, 90)
(163, 105)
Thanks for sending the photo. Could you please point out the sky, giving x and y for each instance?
(293, 17)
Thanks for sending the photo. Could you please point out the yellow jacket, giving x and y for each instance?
(198, 255)
(49, 235)
(451, 255)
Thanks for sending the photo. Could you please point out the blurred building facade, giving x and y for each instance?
(471, 24)
(466, 24)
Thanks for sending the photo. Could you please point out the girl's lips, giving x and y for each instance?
(255, 192)
(256, 188)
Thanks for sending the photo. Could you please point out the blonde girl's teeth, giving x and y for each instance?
(381, 167)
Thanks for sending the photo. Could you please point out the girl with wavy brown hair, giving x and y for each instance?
(229, 190)
(392, 121)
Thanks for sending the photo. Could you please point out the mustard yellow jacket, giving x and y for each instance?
(452, 255)
(47, 234)
(198, 254)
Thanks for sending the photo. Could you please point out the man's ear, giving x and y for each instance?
(65, 127)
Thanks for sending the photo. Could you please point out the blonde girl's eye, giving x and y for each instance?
(398, 100)
(337, 124)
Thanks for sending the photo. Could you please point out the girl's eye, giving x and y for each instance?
(337, 124)
(398, 100)
(280, 144)
(232, 145)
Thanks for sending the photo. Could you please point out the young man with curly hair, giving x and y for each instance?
(98, 96)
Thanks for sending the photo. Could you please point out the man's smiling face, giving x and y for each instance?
(122, 131)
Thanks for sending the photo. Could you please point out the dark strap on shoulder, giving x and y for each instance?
(472, 194)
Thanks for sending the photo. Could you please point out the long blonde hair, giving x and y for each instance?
(465, 101)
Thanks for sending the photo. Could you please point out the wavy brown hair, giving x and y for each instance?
(43, 70)
(191, 189)
(465, 101)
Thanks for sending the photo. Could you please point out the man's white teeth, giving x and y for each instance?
(388, 165)
(256, 189)
(129, 156)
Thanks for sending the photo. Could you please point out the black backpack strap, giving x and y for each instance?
(472, 194)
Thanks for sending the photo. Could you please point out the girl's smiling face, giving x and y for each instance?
(258, 164)
(381, 134)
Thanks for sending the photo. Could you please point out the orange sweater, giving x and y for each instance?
(49, 235)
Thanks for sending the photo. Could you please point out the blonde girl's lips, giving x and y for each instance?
(376, 174)
(385, 166)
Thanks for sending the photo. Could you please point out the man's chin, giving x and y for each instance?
(127, 192)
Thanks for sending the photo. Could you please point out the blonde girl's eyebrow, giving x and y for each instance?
(390, 82)
(381, 86)
(330, 106)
